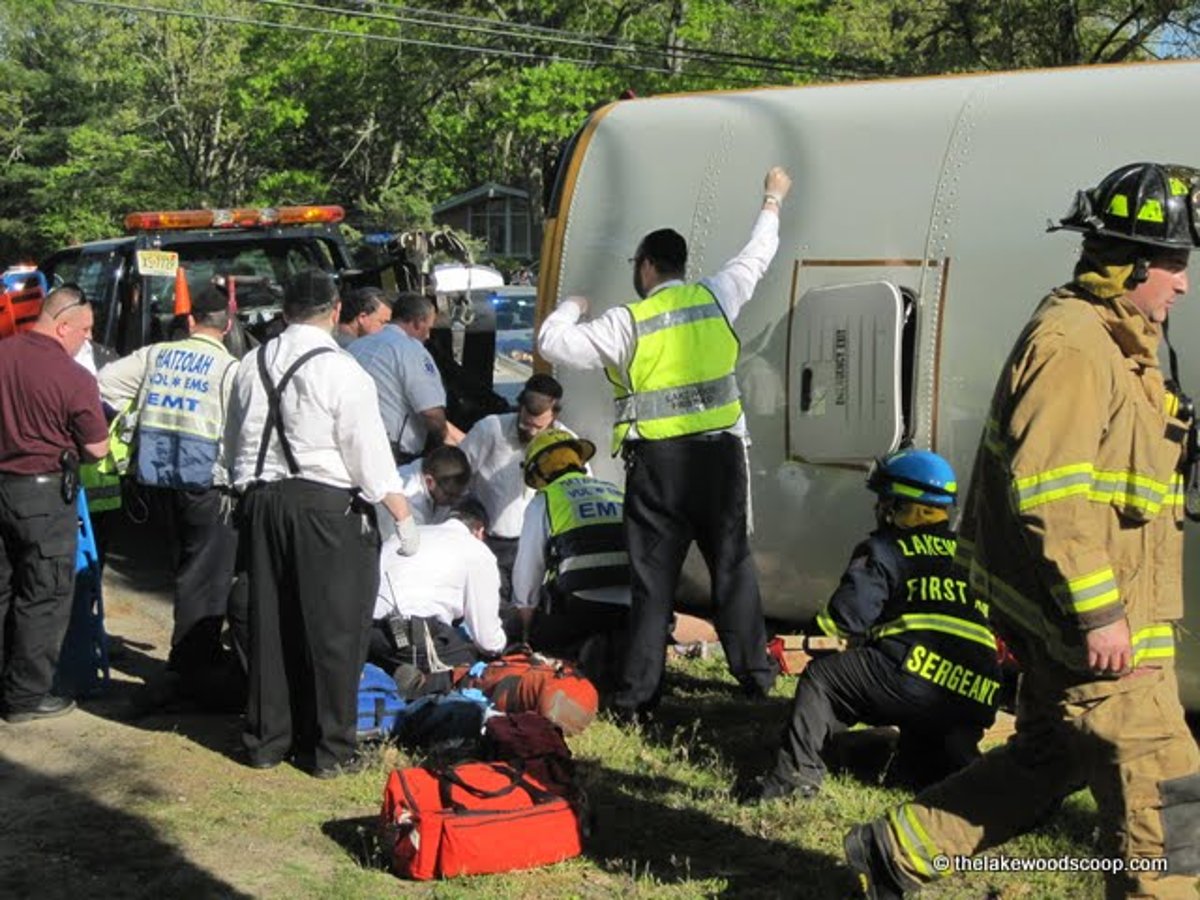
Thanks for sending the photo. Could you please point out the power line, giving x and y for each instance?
(558, 35)
(334, 32)
(394, 39)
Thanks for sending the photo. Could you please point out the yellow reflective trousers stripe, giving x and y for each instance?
(828, 626)
(914, 840)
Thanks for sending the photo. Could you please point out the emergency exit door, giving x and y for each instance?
(846, 373)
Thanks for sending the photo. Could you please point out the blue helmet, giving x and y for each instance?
(917, 475)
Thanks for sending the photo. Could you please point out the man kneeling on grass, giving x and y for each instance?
(440, 607)
(922, 655)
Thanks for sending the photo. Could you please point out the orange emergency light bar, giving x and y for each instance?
(248, 217)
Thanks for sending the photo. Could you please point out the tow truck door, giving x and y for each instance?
(97, 270)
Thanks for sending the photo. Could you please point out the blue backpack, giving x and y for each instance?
(379, 703)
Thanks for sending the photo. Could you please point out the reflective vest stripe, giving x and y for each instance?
(673, 317)
(183, 423)
(677, 401)
(914, 840)
(593, 561)
(103, 489)
(961, 628)
(680, 379)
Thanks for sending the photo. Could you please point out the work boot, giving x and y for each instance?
(771, 787)
(410, 681)
(866, 858)
(49, 707)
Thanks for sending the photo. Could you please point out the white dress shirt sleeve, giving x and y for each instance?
(734, 284)
(529, 568)
(122, 378)
(604, 341)
(362, 440)
(481, 603)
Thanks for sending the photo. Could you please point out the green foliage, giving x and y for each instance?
(105, 110)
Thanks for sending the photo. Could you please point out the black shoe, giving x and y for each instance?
(866, 859)
(49, 707)
(772, 787)
(353, 766)
(250, 761)
(755, 692)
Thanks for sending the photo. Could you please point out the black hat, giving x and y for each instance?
(307, 291)
(665, 248)
(546, 385)
(210, 299)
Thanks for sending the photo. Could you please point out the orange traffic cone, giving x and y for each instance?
(183, 298)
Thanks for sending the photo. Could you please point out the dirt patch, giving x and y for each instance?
(124, 804)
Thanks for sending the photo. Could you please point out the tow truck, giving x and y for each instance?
(131, 283)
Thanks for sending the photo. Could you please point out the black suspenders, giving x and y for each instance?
(274, 420)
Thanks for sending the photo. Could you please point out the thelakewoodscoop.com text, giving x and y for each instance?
(1017, 864)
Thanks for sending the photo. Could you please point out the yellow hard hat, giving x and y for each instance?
(547, 440)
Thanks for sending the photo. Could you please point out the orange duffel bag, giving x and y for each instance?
(528, 682)
(475, 819)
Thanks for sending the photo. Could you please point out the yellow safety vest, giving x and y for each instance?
(182, 416)
(102, 479)
(586, 546)
(680, 380)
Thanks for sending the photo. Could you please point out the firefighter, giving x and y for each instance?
(921, 657)
(670, 357)
(1073, 529)
(571, 576)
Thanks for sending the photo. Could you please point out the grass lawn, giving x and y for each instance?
(663, 824)
(159, 809)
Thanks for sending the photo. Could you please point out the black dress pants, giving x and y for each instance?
(312, 570)
(505, 550)
(205, 549)
(38, 537)
(678, 491)
(939, 733)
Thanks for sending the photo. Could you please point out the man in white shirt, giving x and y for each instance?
(671, 358)
(309, 453)
(435, 483)
(412, 398)
(424, 599)
(495, 446)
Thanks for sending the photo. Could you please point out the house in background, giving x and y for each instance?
(496, 214)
